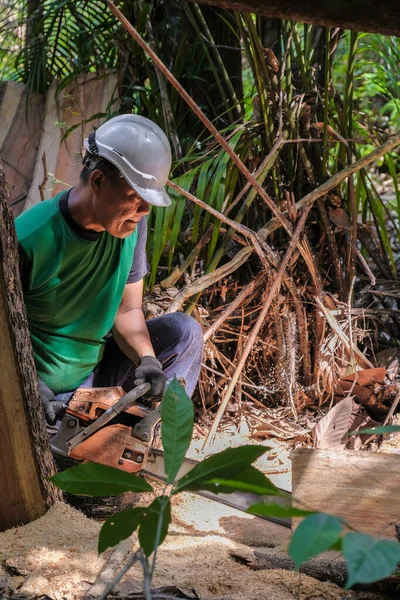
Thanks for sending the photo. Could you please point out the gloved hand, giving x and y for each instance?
(53, 409)
(150, 371)
(48, 398)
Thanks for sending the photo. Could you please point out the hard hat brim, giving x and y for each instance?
(154, 197)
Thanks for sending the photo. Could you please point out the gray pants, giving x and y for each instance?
(178, 344)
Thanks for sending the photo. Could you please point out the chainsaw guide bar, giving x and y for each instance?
(238, 500)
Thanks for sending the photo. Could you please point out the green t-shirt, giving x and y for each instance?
(74, 291)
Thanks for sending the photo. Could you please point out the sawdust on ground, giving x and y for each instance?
(57, 556)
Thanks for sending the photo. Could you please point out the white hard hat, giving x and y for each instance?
(140, 150)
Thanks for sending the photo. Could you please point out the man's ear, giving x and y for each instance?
(97, 179)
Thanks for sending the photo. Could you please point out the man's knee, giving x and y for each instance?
(190, 330)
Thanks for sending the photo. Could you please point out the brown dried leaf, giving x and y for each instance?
(330, 431)
(367, 377)
(271, 59)
(319, 127)
(339, 217)
(361, 393)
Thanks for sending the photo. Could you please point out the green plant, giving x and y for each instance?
(228, 471)
(368, 559)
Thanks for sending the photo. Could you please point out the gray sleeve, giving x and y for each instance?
(140, 266)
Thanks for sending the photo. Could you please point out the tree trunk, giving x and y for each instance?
(25, 456)
(359, 15)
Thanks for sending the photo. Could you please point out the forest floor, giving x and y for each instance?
(55, 557)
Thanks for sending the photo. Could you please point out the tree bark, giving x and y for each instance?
(359, 15)
(25, 456)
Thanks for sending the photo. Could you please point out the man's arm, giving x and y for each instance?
(130, 330)
(132, 336)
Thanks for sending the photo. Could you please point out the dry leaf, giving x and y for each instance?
(367, 377)
(339, 218)
(319, 127)
(330, 431)
(271, 59)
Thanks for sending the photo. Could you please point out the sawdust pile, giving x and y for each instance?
(57, 556)
(52, 555)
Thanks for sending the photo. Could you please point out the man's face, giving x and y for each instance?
(118, 208)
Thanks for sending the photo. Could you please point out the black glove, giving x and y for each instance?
(53, 409)
(150, 371)
(48, 398)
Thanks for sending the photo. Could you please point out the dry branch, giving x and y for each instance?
(361, 359)
(42, 186)
(334, 181)
(246, 291)
(197, 110)
(253, 335)
(248, 233)
(105, 580)
(204, 282)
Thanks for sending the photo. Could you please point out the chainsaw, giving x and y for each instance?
(107, 426)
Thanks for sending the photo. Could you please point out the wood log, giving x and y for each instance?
(325, 568)
(361, 487)
(25, 456)
(359, 15)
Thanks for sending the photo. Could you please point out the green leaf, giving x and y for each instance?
(316, 534)
(369, 559)
(118, 527)
(379, 430)
(155, 523)
(225, 464)
(91, 479)
(177, 415)
(337, 546)
(277, 510)
(248, 480)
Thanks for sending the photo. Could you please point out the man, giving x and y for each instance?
(82, 263)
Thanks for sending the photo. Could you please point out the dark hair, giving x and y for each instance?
(92, 162)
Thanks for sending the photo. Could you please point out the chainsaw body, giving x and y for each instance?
(107, 426)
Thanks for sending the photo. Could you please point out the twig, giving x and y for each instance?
(248, 233)
(106, 581)
(334, 181)
(352, 357)
(253, 335)
(45, 177)
(204, 282)
(392, 409)
(165, 101)
(178, 271)
(362, 360)
(246, 291)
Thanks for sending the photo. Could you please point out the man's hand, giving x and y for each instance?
(150, 371)
(53, 409)
(48, 398)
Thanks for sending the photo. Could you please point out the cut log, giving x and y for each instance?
(361, 487)
(325, 568)
(359, 15)
(25, 457)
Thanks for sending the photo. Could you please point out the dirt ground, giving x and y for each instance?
(57, 556)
